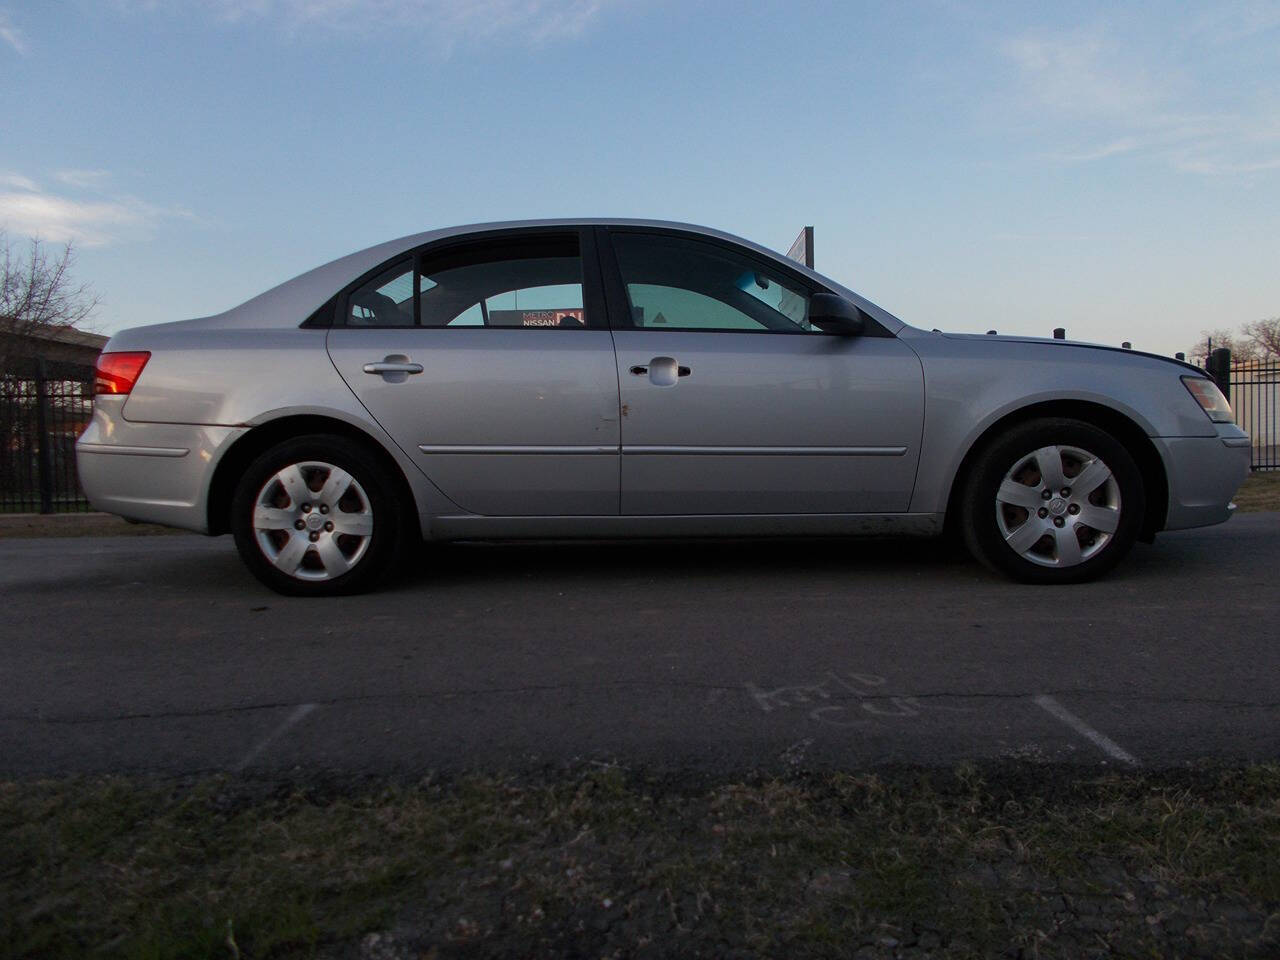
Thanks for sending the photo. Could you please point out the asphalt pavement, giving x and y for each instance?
(163, 655)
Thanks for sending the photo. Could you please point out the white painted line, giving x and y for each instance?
(299, 713)
(1101, 741)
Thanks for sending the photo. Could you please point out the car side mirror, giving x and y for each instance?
(832, 314)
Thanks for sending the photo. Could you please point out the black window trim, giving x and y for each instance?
(594, 301)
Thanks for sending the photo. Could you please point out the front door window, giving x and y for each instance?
(681, 284)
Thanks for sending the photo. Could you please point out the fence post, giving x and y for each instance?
(44, 459)
(1219, 368)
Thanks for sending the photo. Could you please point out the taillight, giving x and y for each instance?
(118, 372)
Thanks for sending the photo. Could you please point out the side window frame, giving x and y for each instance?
(594, 301)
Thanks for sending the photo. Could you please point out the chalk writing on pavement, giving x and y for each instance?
(840, 700)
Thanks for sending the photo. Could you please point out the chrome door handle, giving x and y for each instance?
(393, 368)
(384, 366)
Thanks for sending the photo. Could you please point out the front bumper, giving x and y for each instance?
(1204, 473)
(156, 472)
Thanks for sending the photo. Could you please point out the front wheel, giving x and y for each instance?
(316, 516)
(1053, 501)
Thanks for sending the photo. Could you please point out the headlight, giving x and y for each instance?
(1210, 398)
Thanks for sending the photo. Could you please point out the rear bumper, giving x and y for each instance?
(1204, 473)
(157, 472)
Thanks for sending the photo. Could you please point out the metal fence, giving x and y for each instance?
(1255, 399)
(44, 406)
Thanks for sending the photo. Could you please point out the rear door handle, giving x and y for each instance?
(394, 368)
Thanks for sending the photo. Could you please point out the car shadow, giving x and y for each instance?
(628, 559)
(918, 560)
(213, 568)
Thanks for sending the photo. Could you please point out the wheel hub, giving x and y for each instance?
(313, 520)
(1058, 506)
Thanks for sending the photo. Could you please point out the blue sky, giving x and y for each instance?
(1111, 169)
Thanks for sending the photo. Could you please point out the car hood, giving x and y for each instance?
(1054, 344)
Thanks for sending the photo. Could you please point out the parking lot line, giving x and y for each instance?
(1100, 740)
(298, 714)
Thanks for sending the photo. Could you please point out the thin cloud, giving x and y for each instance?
(1226, 23)
(83, 179)
(16, 181)
(1113, 149)
(12, 35)
(28, 210)
(1078, 74)
(1211, 167)
(1114, 99)
(444, 21)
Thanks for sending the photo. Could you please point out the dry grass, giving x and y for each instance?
(1034, 861)
(1261, 491)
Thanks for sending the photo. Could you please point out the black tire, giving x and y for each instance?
(323, 543)
(993, 525)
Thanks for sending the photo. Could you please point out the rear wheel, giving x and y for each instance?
(1053, 501)
(317, 516)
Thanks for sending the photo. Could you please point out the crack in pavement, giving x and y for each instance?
(561, 687)
(365, 698)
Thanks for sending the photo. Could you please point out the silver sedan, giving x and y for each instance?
(634, 379)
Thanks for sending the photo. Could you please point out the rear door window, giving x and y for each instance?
(531, 284)
(385, 301)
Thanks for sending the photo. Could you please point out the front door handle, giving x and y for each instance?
(394, 368)
(383, 366)
(662, 371)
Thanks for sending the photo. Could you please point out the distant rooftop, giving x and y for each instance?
(55, 333)
(53, 342)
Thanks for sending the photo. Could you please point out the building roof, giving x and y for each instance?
(53, 342)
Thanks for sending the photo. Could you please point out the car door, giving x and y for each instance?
(491, 364)
(733, 403)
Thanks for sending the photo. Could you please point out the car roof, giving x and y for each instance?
(289, 303)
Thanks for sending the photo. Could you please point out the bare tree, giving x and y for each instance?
(39, 302)
(1241, 348)
(37, 289)
(1265, 336)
